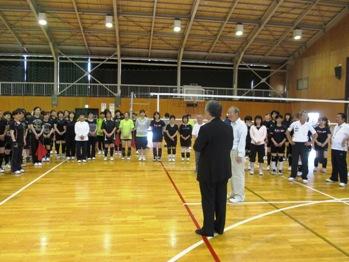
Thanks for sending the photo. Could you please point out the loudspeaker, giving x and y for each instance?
(338, 71)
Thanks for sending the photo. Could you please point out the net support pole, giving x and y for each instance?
(158, 102)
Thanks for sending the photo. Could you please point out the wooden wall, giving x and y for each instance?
(318, 63)
(173, 106)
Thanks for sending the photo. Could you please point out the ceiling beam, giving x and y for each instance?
(318, 35)
(80, 25)
(117, 35)
(152, 27)
(209, 19)
(264, 20)
(296, 23)
(33, 6)
(193, 12)
(7, 25)
(232, 9)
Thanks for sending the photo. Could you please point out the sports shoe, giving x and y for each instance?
(291, 179)
(88, 159)
(68, 157)
(251, 172)
(235, 200)
(261, 173)
(187, 159)
(182, 159)
(112, 159)
(17, 173)
(128, 158)
(342, 184)
(123, 158)
(22, 170)
(329, 180)
(268, 167)
(305, 181)
(84, 161)
(105, 158)
(2, 170)
(93, 158)
(39, 164)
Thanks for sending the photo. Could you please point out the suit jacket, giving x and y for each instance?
(214, 142)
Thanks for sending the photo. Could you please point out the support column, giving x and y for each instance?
(54, 99)
(179, 76)
(235, 78)
(119, 77)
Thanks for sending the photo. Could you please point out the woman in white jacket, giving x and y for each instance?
(82, 130)
(258, 133)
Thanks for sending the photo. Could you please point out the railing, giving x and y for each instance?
(98, 90)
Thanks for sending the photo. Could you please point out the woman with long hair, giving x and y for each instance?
(142, 126)
(258, 133)
(61, 128)
(37, 128)
(109, 129)
(185, 132)
(170, 135)
(70, 137)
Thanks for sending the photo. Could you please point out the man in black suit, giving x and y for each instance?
(214, 142)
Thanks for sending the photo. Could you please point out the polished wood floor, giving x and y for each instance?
(131, 211)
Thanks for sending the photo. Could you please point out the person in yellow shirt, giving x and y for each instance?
(126, 127)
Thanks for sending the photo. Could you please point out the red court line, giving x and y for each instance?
(208, 244)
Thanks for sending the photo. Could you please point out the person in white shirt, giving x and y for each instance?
(237, 156)
(82, 130)
(339, 151)
(299, 142)
(258, 134)
(199, 123)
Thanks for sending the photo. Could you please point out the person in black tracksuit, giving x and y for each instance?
(3, 124)
(185, 132)
(17, 141)
(321, 144)
(170, 135)
(278, 140)
(70, 137)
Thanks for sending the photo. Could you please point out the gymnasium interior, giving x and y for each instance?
(171, 56)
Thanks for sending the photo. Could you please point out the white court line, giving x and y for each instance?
(264, 203)
(248, 220)
(320, 192)
(29, 184)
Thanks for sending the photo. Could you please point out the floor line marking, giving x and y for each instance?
(302, 224)
(29, 184)
(245, 221)
(204, 239)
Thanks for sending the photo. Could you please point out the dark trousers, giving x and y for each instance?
(81, 150)
(34, 146)
(213, 200)
(339, 166)
(70, 147)
(257, 149)
(299, 150)
(91, 146)
(16, 159)
(197, 157)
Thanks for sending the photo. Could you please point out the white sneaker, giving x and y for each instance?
(174, 159)
(261, 173)
(35, 164)
(84, 161)
(105, 158)
(128, 158)
(68, 157)
(251, 172)
(299, 173)
(182, 159)
(268, 167)
(342, 184)
(112, 158)
(122, 158)
(140, 158)
(93, 158)
(305, 181)
(329, 180)
(22, 170)
(18, 173)
(39, 164)
(79, 161)
(235, 200)
(291, 179)
(187, 159)
(73, 157)
(88, 159)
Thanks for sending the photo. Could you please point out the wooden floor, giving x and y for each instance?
(131, 211)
